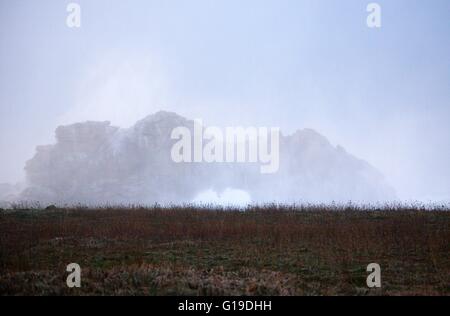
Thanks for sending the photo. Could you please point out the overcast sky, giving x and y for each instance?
(383, 94)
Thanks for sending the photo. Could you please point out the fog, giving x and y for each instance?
(382, 94)
(96, 163)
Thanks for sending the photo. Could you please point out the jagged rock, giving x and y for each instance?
(96, 163)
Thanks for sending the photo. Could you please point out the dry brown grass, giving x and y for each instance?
(271, 250)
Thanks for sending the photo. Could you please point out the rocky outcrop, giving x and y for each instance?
(96, 163)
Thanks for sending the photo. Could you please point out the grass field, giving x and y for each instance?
(199, 251)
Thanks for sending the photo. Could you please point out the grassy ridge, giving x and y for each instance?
(272, 250)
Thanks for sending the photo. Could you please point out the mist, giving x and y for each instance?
(382, 94)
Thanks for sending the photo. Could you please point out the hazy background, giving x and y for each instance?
(383, 94)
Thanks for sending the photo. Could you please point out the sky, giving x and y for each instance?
(382, 93)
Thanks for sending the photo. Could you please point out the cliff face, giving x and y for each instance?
(94, 162)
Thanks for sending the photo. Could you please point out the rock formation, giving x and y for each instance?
(96, 163)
